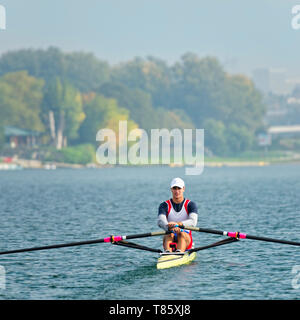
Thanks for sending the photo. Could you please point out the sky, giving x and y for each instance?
(242, 34)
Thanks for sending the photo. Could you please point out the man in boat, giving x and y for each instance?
(177, 211)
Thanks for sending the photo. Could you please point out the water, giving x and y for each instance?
(46, 207)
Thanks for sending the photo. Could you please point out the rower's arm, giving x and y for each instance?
(193, 215)
(162, 220)
(191, 221)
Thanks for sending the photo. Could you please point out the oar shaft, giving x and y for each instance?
(80, 243)
(203, 230)
(143, 235)
(55, 246)
(293, 243)
(240, 235)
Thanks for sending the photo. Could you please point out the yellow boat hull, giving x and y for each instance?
(175, 260)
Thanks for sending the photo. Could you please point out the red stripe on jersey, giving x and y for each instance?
(190, 233)
(191, 243)
(186, 205)
(169, 206)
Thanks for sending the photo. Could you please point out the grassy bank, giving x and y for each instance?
(85, 155)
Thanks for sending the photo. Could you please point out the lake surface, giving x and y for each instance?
(40, 207)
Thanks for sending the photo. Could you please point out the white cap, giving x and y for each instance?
(177, 182)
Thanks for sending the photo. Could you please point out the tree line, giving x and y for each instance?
(70, 96)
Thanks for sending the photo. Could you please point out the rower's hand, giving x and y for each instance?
(171, 226)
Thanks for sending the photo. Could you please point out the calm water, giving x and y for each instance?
(47, 207)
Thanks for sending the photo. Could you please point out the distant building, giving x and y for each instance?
(264, 139)
(278, 81)
(261, 78)
(273, 80)
(286, 131)
(16, 137)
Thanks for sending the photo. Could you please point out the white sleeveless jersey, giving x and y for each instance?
(182, 215)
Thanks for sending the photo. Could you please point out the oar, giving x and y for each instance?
(239, 235)
(110, 239)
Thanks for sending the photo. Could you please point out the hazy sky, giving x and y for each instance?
(243, 34)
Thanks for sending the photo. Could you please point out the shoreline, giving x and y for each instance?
(19, 164)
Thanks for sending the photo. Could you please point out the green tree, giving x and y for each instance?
(190, 93)
(46, 64)
(20, 100)
(103, 113)
(239, 139)
(139, 104)
(151, 75)
(82, 70)
(171, 119)
(215, 136)
(2, 138)
(137, 101)
(63, 112)
(86, 72)
(246, 107)
(198, 88)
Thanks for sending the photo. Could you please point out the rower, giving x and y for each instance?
(177, 211)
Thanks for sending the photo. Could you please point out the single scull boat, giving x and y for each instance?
(174, 259)
(165, 260)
